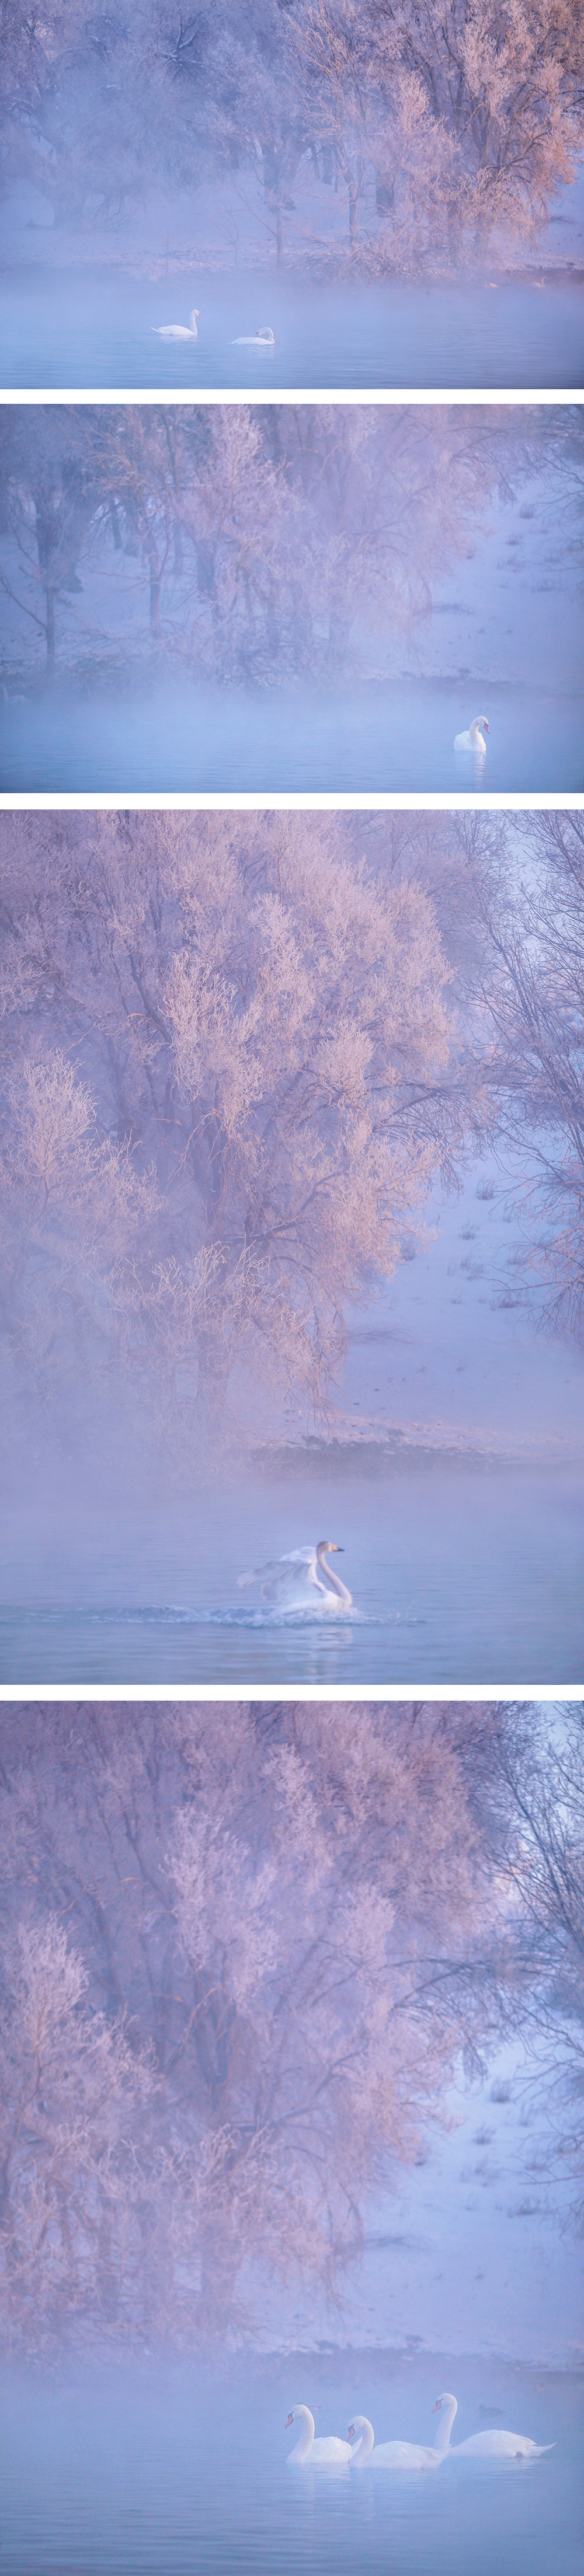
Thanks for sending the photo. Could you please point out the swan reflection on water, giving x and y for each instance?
(361, 2451)
(292, 1581)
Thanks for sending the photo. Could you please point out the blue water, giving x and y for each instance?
(375, 738)
(457, 1577)
(177, 2477)
(70, 329)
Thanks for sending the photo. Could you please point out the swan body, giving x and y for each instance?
(473, 740)
(326, 2452)
(485, 2446)
(178, 330)
(303, 1571)
(262, 339)
(402, 2455)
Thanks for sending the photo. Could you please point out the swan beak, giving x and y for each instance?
(351, 2432)
(339, 1551)
(289, 2420)
(435, 2410)
(486, 731)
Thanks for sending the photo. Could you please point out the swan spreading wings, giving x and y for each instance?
(473, 739)
(293, 1580)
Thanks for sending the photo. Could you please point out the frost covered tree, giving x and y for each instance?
(73, 2198)
(239, 1962)
(533, 987)
(265, 1027)
(269, 540)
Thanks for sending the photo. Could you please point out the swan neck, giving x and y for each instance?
(444, 2428)
(330, 1577)
(364, 2446)
(306, 2434)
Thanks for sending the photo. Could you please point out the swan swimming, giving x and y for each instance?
(304, 1569)
(487, 2446)
(178, 330)
(262, 339)
(401, 2455)
(327, 2451)
(473, 739)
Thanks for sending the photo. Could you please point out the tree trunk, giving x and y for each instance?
(155, 588)
(50, 629)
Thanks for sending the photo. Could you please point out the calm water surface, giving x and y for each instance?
(179, 2480)
(372, 739)
(73, 329)
(456, 1577)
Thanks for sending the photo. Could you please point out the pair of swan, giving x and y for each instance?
(473, 739)
(304, 1571)
(262, 339)
(178, 330)
(362, 2451)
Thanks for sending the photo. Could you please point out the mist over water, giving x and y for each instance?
(456, 1576)
(363, 739)
(181, 2470)
(88, 328)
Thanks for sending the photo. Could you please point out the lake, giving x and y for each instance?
(374, 738)
(458, 1576)
(171, 2473)
(66, 329)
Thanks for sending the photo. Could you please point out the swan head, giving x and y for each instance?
(194, 316)
(295, 2412)
(329, 1547)
(446, 2399)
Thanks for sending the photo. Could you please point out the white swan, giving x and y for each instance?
(304, 1570)
(401, 2455)
(327, 2451)
(178, 330)
(485, 2446)
(473, 740)
(262, 339)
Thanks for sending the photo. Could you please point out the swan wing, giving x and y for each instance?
(404, 2455)
(328, 2446)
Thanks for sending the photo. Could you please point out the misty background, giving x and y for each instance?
(292, 1197)
(369, 175)
(244, 597)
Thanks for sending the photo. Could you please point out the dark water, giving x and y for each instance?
(63, 329)
(179, 2479)
(376, 738)
(455, 1577)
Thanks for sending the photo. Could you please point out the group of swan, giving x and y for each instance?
(304, 1571)
(473, 739)
(262, 339)
(361, 2451)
